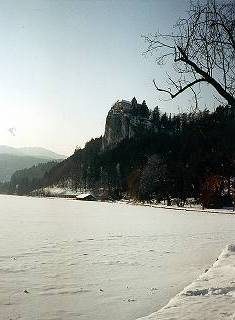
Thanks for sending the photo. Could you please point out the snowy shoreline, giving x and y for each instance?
(211, 296)
(185, 208)
(69, 193)
(229, 210)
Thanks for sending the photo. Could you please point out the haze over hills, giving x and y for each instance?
(31, 151)
(13, 159)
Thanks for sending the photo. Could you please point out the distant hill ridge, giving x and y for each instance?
(31, 151)
(13, 159)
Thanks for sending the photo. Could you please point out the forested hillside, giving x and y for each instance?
(188, 155)
(9, 163)
(24, 181)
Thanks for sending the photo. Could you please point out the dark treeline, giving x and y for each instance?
(26, 180)
(189, 155)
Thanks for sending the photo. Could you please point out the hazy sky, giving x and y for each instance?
(64, 63)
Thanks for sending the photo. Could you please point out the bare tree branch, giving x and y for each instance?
(203, 44)
(182, 89)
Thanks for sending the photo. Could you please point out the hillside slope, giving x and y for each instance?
(41, 153)
(10, 163)
(37, 152)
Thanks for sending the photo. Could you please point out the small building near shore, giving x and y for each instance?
(86, 197)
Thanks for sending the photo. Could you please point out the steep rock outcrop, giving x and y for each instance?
(124, 120)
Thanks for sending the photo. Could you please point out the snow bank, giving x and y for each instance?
(210, 297)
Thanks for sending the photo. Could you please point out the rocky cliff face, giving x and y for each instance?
(124, 120)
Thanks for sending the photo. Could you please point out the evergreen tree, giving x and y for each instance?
(134, 102)
(134, 108)
(144, 110)
(164, 121)
(156, 117)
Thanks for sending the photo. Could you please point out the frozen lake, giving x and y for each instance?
(65, 260)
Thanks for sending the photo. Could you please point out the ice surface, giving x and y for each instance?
(65, 260)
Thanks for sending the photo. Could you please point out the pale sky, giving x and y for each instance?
(63, 63)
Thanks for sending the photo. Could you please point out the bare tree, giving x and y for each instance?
(202, 49)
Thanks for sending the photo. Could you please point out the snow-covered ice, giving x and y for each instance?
(67, 260)
(210, 297)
